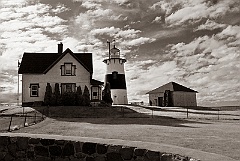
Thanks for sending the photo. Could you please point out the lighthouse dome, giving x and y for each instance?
(115, 52)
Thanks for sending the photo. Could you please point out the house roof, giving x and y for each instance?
(96, 82)
(172, 86)
(41, 63)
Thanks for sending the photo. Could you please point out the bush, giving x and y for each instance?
(56, 96)
(48, 95)
(68, 99)
(107, 94)
(86, 97)
(79, 96)
(103, 104)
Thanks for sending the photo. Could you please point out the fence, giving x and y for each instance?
(17, 121)
(189, 113)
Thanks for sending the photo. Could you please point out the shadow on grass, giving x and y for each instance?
(115, 115)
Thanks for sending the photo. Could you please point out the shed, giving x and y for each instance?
(173, 94)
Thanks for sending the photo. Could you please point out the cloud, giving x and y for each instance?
(195, 43)
(193, 11)
(12, 2)
(210, 25)
(25, 28)
(211, 64)
(137, 42)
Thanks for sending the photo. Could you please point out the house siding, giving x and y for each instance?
(184, 99)
(53, 76)
(179, 98)
(154, 98)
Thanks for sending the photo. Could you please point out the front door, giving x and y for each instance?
(160, 101)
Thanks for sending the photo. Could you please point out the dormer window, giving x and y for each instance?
(68, 69)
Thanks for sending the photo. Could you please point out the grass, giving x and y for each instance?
(215, 136)
(221, 137)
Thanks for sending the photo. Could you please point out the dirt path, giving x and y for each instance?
(221, 137)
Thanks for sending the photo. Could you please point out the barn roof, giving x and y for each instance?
(172, 86)
(41, 63)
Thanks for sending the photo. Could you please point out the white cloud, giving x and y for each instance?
(107, 30)
(193, 11)
(90, 4)
(190, 14)
(211, 64)
(137, 42)
(25, 28)
(7, 3)
(60, 8)
(210, 25)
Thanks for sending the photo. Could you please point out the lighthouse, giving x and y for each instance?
(115, 75)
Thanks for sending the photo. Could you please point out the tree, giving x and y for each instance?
(56, 97)
(86, 97)
(107, 94)
(48, 95)
(79, 96)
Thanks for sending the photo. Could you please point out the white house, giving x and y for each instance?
(66, 68)
(173, 94)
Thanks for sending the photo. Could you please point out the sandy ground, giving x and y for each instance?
(221, 137)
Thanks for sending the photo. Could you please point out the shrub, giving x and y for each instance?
(86, 97)
(57, 94)
(79, 96)
(48, 95)
(107, 94)
(68, 98)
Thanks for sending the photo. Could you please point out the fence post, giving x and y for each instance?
(152, 113)
(123, 111)
(218, 113)
(25, 119)
(35, 117)
(23, 111)
(9, 127)
(187, 113)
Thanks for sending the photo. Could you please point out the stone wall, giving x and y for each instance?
(37, 149)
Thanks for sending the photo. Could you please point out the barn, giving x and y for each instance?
(172, 94)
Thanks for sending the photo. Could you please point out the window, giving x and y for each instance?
(34, 90)
(68, 69)
(68, 87)
(95, 91)
(114, 74)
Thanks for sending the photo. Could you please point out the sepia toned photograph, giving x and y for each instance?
(119, 80)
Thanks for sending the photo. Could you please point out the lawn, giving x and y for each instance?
(202, 131)
(221, 137)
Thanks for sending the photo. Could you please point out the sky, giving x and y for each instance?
(195, 43)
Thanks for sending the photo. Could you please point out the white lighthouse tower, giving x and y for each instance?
(115, 75)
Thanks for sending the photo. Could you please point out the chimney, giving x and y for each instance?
(60, 48)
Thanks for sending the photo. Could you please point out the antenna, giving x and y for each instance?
(108, 48)
(114, 43)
